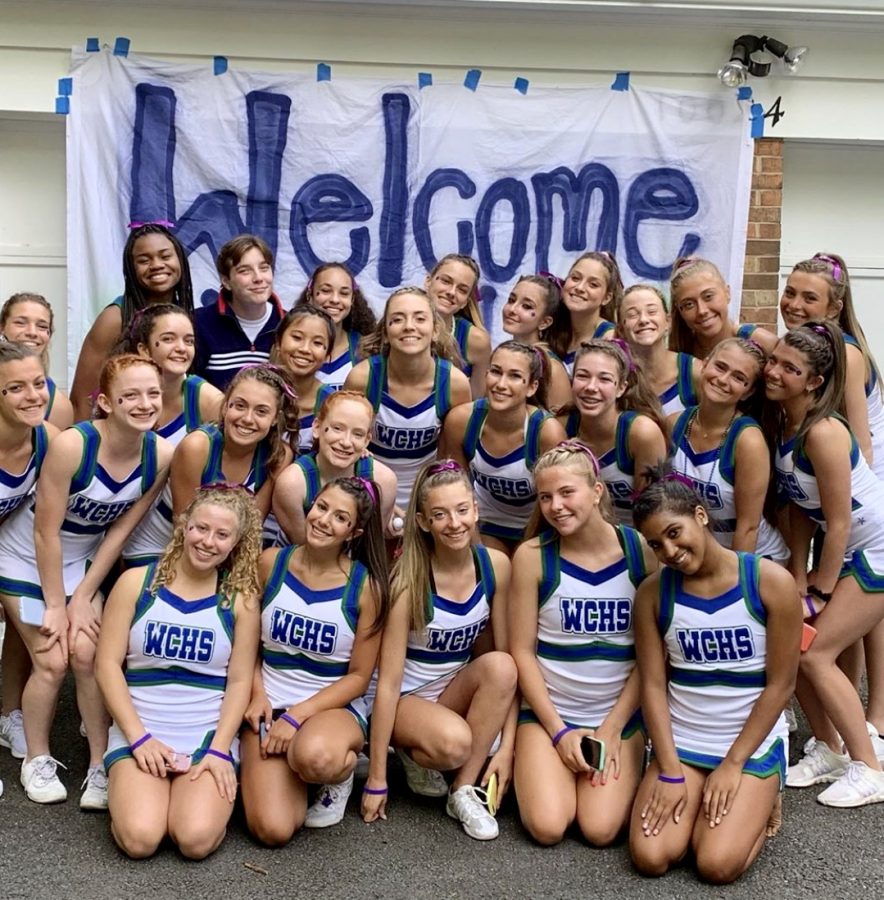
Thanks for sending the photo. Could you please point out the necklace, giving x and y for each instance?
(695, 419)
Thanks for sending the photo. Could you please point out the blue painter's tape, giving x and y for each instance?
(65, 86)
(521, 85)
(121, 46)
(62, 105)
(757, 111)
(621, 82)
(219, 65)
(323, 72)
(744, 92)
(92, 45)
(424, 79)
(471, 82)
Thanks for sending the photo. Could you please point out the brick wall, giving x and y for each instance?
(760, 296)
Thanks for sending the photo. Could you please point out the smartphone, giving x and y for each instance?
(31, 610)
(491, 794)
(593, 752)
(180, 763)
(262, 729)
(808, 633)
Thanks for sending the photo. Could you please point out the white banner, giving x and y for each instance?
(389, 177)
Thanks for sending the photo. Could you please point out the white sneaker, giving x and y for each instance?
(94, 797)
(40, 782)
(426, 782)
(877, 741)
(1, 787)
(12, 734)
(859, 786)
(818, 766)
(465, 805)
(330, 804)
(791, 720)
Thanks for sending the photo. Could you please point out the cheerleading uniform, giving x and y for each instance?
(176, 670)
(307, 635)
(713, 475)
(406, 437)
(335, 371)
(717, 649)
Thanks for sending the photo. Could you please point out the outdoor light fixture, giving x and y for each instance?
(742, 63)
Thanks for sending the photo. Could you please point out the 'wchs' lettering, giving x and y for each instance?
(716, 645)
(98, 512)
(454, 640)
(711, 493)
(395, 438)
(303, 633)
(509, 488)
(179, 642)
(584, 615)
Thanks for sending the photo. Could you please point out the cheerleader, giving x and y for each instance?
(717, 637)
(438, 705)
(529, 312)
(591, 293)
(341, 432)
(499, 439)
(411, 384)
(97, 481)
(700, 310)
(618, 417)
(724, 454)
(453, 286)
(302, 345)
(828, 484)
(323, 609)
(571, 633)
(24, 438)
(643, 321)
(177, 703)
(164, 333)
(28, 319)
(248, 446)
(155, 270)
(333, 289)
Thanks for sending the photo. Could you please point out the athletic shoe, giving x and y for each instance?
(330, 804)
(1, 787)
(791, 720)
(818, 766)
(859, 786)
(466, 806)
(877, 741)
(40, 782)
(426, 782)
(94, 797)
(12, 734)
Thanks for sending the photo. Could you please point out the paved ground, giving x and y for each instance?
(59, 853)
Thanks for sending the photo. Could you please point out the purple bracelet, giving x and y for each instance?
(225, 756)
(291, 720)
(560, 734)
(374, 791)
(668, 779)
(143, 739)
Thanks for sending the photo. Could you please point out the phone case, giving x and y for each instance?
(31, 610)
(808, 633)
(491, 794)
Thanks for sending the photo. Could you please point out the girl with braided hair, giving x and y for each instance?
(175, 661)
(251, 444)
(828, 484)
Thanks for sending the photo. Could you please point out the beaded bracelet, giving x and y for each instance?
(225, 756)
(143, 739)
(560, 734)
(374, 791)
(291, 720)
(670, 779)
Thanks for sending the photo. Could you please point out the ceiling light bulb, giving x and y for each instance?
(733, 74)
(794, 59)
